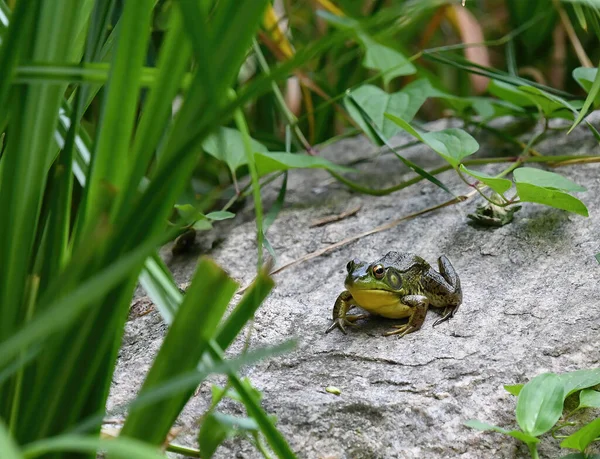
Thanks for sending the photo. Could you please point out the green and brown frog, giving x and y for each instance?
(399, 285)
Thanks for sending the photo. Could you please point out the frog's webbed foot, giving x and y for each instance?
(341, 319)
(342, 322)
(420, 304)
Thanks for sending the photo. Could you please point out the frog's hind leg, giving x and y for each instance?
(341, 318)
(420, 304)
(446, 286)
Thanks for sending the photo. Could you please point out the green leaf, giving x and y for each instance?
(386, 60)
(187, 340)
(545, 179)
(581, 439)
(8, 446)
(252, 404)
(220, 215)
(552, 198)
(267, 162)
(552, 106)
(475, 424)
(509, 93)
(244, 311)
(589, 399)
(540, 404)
(212, 433)
(499, 185)
(227, 145)
(59, 313)
(381, 138)
(375, 102)
(514, 389)
(586, 76)
(579, 379)
(451, 144)
(593, 93)
(577, 456)
(111, 162)
(123, 448)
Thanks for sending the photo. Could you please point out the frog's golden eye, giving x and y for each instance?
(378, 271)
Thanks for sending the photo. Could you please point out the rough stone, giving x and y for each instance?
(530, 306)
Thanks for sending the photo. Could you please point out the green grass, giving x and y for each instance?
(94, 159)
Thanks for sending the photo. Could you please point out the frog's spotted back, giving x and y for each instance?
(402, 261)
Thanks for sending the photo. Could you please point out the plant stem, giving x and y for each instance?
(240, 121)
(533, 451)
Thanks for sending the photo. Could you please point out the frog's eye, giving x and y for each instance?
(349, 266)
(378, 271)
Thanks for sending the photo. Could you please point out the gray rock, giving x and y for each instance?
(530, 306)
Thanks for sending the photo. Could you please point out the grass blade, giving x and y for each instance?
(123, 448)
(187, 340)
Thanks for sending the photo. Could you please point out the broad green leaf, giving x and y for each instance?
(589, 399)
(550, 197)
(404, 104)
(219, 215)
(376, 102)
(227, 145)
(540, 404)
(212, 433)
(386, 60)
(122, 448)
(514, 389)
(267, 162)
(451, 144)
(580, 379)
(475, 424)
(581, 439)
(593, 93)
(499, 185)
(384, 141)
(545, 179)
(8, 446)
(509, 93)
(190, 214)
(586, 76)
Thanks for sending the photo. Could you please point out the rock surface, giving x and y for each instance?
(530, 306)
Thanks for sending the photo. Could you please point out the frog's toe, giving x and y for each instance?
(338, 323)
(401, 330)
(341, 322)
(447, 315)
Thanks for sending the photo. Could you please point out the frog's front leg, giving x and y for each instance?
(444, 288)
(342, 305)
(420, 304)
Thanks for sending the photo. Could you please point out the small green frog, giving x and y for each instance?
(396, 286)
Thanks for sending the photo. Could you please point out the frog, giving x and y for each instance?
(492, 215)
(398, 285)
